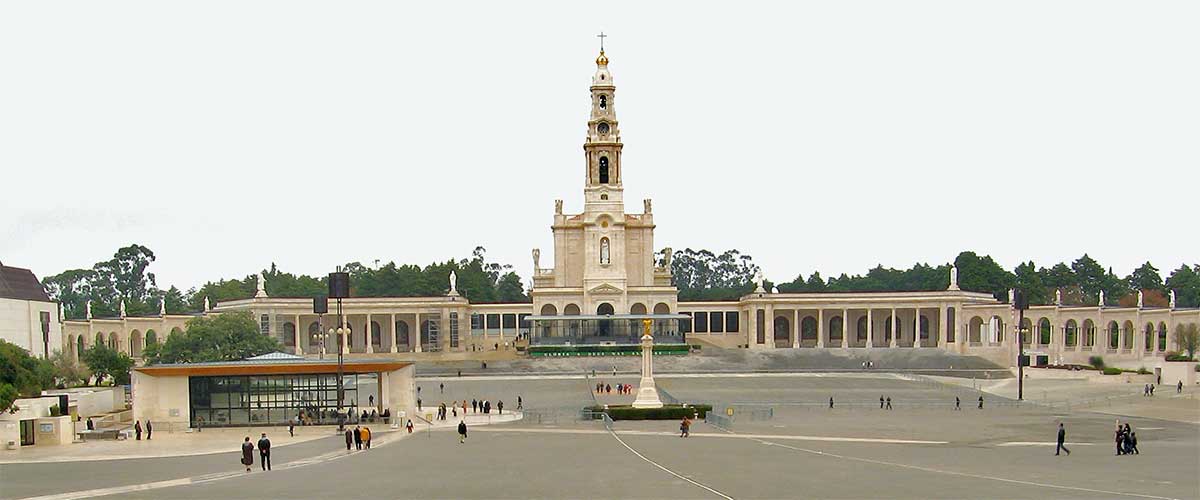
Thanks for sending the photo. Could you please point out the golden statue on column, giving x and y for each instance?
(647, 396)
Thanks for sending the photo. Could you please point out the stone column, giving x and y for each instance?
(297, 336)
(416, 341)
(444, 329)
(820, 328)
(943, 329)
(752, 332)
(368, 334)
(916, 327)
(796, 327)
(345, 338)
(647, 396)
(894, 341)
(870, 328)
(770, 326)
(392, 321)
(846, 329)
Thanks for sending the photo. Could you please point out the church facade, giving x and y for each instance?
(604, 278)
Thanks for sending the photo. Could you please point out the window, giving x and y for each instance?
(264, 324)
(715, 319)
(509, 321)
(454, 330)
(604, 252)
(732, 320)
(493, 321)
(604, 170)
(685, 325)
(700, 322)
(951, 324)
(604, 197)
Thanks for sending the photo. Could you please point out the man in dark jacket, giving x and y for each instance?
(462, 431)
(264, 451)
(349, 439)
(357, 437)
(1062, 438)
(149, 429)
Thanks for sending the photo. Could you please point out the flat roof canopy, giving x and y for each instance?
(607, 316)
(269, 368)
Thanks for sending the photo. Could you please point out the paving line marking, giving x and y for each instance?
(669, 471)
(714, 435)
(206, 478)
(1041, 443)
(963, 474)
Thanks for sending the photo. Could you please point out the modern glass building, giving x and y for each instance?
(259, 392)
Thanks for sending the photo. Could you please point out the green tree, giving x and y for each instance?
(1145, 277)
(1185, 281)
(21, 375)
(815, 283)
(223, 337)
(1030, 281)
(68, 371)
(982, 274)
(105, 362)
(510, 289)
(703, 275)
(1187, 337)
(1090, 276)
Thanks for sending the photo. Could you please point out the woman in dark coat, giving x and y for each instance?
(247, 453)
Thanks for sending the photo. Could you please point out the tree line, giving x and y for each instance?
(126, 277)
(705, 275)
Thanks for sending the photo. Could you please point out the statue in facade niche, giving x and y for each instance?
(537, 257)
(558, 207)
(646, 205)
(667, 255)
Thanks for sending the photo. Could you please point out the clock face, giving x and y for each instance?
(602, 128)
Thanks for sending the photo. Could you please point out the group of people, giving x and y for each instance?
(685, 427)
(1126, 440)
(137, 428)
(264, 452)
(602, 388)
(1148, 390)
(360, 437)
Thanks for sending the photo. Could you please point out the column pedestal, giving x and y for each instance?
(647, 396)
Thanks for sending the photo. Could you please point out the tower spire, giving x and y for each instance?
(601, 36)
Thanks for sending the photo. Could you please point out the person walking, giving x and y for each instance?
(1062, 438)
(1120, 438)
(474, 406)
(1128, 439)
(889, 402)
(418, 404)
(464, 407)
(367, 437)
(957, 403)
(462, 431)
(487, 407)
(292, 427)
(442, 387)
(91, 426)
(137, 429)
(683, 427)
(357, 437)
(149, 429)
(1133, 443)
(880, 402)
(830, 402)
(247, 453)
(350, 437)
(500, 406)
(264, 451)
(409, 426)
(981, 402)
(1151, 390)
(1178, 390)
(519, 404)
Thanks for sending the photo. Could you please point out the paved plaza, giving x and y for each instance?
(783, 442)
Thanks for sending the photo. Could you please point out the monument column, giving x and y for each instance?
(647, 396)
(895, 324)
(796, 326)
(820, 328)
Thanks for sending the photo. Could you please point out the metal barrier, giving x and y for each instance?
(717, 420)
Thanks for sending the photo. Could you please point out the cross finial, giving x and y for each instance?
(601, 36)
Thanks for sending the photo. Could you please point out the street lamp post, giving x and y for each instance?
(1021, 304)
(339, 288)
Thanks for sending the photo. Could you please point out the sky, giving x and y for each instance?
(829, 136)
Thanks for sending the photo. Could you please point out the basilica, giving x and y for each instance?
(602, 282)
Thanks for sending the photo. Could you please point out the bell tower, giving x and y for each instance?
(602, 148)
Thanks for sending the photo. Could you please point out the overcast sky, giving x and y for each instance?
(829, 136)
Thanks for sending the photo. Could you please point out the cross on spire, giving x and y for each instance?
(601, 36)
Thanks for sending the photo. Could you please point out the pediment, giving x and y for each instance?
(605, 289)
